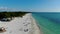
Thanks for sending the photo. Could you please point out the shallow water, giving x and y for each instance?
(49, 22)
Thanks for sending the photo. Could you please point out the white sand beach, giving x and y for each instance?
(24, 25)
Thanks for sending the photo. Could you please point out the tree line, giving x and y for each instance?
(12, 14)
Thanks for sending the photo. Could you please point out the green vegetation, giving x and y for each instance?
(12, 14)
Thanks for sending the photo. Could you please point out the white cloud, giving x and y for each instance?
(46, 10)
(3, 8)
(31, 10)
(7, 9)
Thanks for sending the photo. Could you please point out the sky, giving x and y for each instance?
(31, 5)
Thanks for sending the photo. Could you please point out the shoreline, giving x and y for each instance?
(35, 27)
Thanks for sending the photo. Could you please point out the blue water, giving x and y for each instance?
(49, 22)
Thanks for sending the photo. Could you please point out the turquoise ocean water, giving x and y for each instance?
(49, 22)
